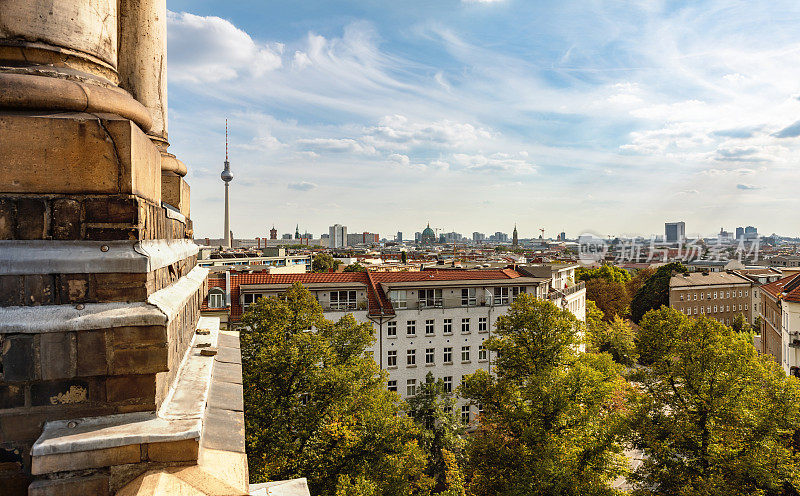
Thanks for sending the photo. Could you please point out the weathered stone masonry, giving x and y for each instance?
(103, 389)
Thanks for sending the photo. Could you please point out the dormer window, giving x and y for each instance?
(216, 299)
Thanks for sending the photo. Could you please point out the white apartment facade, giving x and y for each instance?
(428, 321)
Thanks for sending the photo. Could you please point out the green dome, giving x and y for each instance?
(428, 232)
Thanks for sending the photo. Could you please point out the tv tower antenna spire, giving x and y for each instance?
(227, 176)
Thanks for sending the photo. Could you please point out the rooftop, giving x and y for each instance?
(707, 279)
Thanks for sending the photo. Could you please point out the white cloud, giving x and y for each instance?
(211, 49)
(302, 186)
(335, 145)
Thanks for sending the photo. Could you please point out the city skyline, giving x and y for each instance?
(613, 118)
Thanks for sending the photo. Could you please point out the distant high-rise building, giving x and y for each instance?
(750, 232)
(417, 237)
(399, 237)
(499, 237)
(562, 236)
(287, 236)
(338, 236)
(514, 237)
(273, 233)
(675, 232)
(739, 233)
(478, 238)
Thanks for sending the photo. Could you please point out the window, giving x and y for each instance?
(448, 326)
(681, 296)
(702, 295)
(517, 290)
(702, 310)
(411, 328)
(429, 355)
(391, 328)
(249, 299)
(745, 306)
(708, 309)
(745, 291)
(465, 353)
(448, 383)
(398, 298)
(391, 358)
(465, 414)
(215, 300)
(343, 300)
(448, 355)
(429, 327)
(482, 326)
(411, 357)
(483, 353)
(695, 296)
(715, 309)
(501, 296)
(393, 386)
(727, 308)
(411, 387)
(430, 298)
(464, 326)
(708, 295)
(715, 295)
(695, 310)
(740, 293)
(740, 306)
(468, 298)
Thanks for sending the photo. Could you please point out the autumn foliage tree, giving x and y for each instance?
(552, 416)
(316, 405)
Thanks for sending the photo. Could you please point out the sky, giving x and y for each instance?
(604, 117)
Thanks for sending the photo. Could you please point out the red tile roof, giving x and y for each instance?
(379, 303)
(787, 288)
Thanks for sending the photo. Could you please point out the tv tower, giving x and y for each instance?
(227, 176)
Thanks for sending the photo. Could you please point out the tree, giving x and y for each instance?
(606, 287)
(654, 293)
(638, 280)
(439, 433)
(324, 262)
(355, 267)
(316, 404)
(552, 416)
(659, 331)
(714, 418)
(403, 257)
(616, 338)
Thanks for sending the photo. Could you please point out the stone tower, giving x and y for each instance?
(110, 382)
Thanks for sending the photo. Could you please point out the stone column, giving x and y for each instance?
(63, 56)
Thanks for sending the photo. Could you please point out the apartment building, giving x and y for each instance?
(717, 295)
(780, 321)
(429, 321)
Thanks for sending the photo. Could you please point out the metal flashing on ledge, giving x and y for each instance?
(22, 257)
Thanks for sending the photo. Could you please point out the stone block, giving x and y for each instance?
(139, 360)
(12, 396)
(38, 289)
(139, 335)
(175, 192)
(8, 210)
(31, 216)
(91, 351)
(66, 219)
(112, 210)
(131, 389)
(112, 233)
(75, 153)
(22, 427)
(178, 451)
(120, 287)
(82, 460)
(64, 392)
(94, 485)
(57, 355)
(74, 288)
(18, 358)
(10, 290)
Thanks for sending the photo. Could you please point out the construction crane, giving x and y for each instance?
(542, 230)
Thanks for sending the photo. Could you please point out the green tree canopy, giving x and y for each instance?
(439, 434)
(323, 262)
(713, 418)
(616, 338)
(355, 267)
(654, 293)
(552, 416)
(610, 273)
(316, 405)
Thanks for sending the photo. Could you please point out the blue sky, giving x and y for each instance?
(609, 117)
